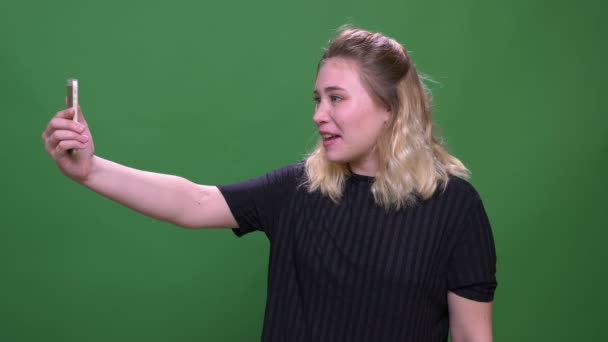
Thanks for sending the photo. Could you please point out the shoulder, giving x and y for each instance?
(457, 194)
(459, 186)
(281, 179)
(287, 176)
(290, 171)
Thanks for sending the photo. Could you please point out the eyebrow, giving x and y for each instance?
(330, 88)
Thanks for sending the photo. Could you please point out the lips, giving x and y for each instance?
(328, 138)
(325, 135)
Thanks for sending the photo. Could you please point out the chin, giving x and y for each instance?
(337, 157)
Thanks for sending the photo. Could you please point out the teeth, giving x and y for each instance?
(327, 136)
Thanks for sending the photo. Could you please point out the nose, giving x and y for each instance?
(321, 115)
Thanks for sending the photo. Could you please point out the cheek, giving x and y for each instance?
(359, 121)
(349, 118)
(362, 126)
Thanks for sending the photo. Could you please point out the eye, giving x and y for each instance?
(335, 98)
(316, 99)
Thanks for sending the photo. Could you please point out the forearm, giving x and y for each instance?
(161, 196)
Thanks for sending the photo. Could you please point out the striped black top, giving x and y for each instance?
(353, 271)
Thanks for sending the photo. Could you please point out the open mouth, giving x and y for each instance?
(329, 138)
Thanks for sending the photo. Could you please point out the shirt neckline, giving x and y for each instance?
(362, 178)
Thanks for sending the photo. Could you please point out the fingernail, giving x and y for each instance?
(85, 136)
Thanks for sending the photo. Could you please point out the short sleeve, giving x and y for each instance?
(255, 203)
(472, 265)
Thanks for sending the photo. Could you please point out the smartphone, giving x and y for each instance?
(72, 92)
(72, 89)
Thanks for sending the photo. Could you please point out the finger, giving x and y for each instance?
(67, 113)
(54, 123)
(65, 145)
(48, 147)
(61, 135)
(64, 124)
(61, 129)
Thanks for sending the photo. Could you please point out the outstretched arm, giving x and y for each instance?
(165, 197)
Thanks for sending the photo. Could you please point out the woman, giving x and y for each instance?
(377, 236)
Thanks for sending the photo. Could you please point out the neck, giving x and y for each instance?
(366, 167)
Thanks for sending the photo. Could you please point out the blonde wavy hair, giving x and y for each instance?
(412, 161)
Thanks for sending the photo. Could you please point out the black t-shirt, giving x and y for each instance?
(353, 271)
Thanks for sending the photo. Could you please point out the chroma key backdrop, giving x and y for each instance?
(220, 92)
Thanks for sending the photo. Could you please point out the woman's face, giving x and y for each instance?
(348, 119)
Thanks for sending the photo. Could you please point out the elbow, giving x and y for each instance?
(182, 224)
(194, 206)
(185, 224)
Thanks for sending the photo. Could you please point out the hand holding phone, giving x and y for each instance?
(70, 144)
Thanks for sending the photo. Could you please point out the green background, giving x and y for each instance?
(221, 92)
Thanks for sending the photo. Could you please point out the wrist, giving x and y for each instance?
(94, 169)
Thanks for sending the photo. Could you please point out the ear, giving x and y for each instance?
(386, 113)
